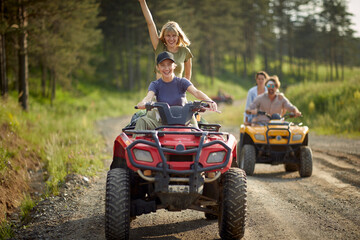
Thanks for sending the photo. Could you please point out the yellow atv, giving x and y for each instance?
(275, 142)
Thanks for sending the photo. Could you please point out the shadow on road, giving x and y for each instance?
(276, 177)
(160, 232)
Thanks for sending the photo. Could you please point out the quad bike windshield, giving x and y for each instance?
(177, 115)
(274, 118)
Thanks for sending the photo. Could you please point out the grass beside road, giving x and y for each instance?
(329, 107)
(64, 133)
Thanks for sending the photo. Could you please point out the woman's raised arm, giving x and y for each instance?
(154, 37)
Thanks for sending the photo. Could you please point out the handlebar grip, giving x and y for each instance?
(206, 105)
(136, 107)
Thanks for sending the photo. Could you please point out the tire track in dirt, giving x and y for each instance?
(324, 210)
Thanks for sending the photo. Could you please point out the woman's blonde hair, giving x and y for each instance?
(174, 27)
(275, 79)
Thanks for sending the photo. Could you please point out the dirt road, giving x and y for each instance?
(280, 205)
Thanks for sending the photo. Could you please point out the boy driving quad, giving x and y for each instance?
(169, 89)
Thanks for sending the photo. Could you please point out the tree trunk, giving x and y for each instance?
(130, 60)
(336, 65)
(4, 82)
(3, 78)
(52, 85)
(212, 66)
(245, 65)
(331, 64)
(137, 63)
(342, 63)
(280, 59)
(235, 63)
(291, 62)
(137, 71)
(266, 60)
(122, 62)
(23, 58)
(43, 79)
(149, 69)
(298, 66)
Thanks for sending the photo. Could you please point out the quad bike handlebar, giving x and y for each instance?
(201, 105)
(177, 115)
(276, 116)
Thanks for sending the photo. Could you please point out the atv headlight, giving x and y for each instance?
(216, 157)
(142, 155)
(297, 137)
(259, 137)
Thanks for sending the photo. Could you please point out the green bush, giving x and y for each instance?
(6, 231)
(4, 159)
(330, 107)
(26, 206)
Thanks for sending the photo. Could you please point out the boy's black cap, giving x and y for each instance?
(163, 56)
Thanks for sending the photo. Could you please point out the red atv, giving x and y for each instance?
(175, 167)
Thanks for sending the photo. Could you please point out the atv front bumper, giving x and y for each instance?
(166, 172)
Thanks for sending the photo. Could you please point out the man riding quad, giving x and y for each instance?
(271, 102)
(272, 140)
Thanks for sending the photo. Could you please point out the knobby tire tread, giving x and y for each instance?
(117, 206)
(306, 165)
(248, 156)
(233, 204)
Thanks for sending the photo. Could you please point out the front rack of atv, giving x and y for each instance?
(280, 156)
(272, 129)
(164, 167)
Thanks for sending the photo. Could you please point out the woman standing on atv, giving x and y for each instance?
(170, 89)
(271, 102)
(260, 78)
(171, 39)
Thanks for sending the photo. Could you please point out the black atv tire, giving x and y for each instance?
(247, 159)
(306, 166)
(117, 205)
(291, 167)
(232, 212)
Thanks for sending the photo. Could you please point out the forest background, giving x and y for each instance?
(65, 64)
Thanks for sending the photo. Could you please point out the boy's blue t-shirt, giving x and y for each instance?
(172, 92)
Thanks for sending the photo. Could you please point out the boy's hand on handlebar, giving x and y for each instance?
(142, 105)
(213, 106)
